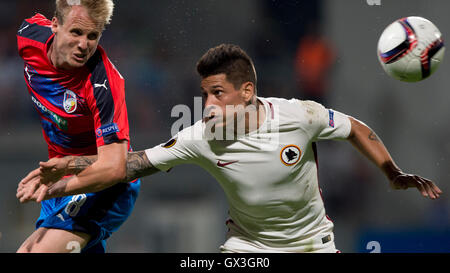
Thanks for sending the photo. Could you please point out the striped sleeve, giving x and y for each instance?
(106, 98)
(34, 32)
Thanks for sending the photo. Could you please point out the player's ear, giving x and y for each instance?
(247, 91)
(55, 24)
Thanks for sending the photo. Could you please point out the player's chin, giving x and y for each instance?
(76, 65)
(215, 123)
(77, 62)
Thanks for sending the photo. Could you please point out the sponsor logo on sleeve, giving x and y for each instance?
(170, 143)
(22, 29)
(106, 130)
(331, 116)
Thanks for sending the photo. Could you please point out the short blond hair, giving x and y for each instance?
(99, 10)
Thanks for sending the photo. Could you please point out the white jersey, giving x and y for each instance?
(269, 176)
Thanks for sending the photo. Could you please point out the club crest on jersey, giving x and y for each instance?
(290, 155)
(170, 143)
(70, 102)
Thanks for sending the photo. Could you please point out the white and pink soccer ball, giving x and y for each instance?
(411, 49)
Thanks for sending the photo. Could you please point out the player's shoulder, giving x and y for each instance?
(192, 133)
(294, 102)
(36, 28)
(312, 112)
(310, 106)
(295, 105)
(99, 62)
(39, 19)
(102, 70)
(300, 113)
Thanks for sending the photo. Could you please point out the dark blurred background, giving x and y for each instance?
(322, 50)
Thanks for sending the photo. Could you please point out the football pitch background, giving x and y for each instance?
(156, 44)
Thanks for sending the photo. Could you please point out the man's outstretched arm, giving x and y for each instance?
(138, 165)
(369, 144)
(46, 181)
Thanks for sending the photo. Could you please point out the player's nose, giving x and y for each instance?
(211, 110)
(83, 45)
(209, 101)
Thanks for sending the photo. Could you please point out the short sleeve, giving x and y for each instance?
(106, 98)
(325, 123)
(178, 150)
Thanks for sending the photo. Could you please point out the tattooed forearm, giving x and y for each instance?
(77, 164)
(373, 136)
(138, 165)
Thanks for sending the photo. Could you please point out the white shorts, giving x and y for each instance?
(237, 243)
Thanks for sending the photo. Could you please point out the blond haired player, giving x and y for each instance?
(268, 171)
(80, 98)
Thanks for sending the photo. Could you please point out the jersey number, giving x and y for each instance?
(73, 207)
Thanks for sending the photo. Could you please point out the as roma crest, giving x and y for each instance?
(290, 155)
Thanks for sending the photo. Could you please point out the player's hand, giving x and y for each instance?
(35, 186)
(426, 187)
(31, 188)
(54, 169)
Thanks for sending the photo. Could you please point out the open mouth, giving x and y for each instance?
(209, 114)
(79, 57)
(210, 118)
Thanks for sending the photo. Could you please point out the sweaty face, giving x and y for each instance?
(218, 93)
(76, 40)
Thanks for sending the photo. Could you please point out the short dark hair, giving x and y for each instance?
(231, 60)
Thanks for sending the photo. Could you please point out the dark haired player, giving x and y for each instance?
(80, 98)
(269, 173)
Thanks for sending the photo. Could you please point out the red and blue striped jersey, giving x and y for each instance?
(79, 110)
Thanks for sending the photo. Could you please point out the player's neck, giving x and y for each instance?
(260, 117)
(54, 60)
(50, 54)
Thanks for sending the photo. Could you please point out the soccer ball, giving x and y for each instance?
(411, 49)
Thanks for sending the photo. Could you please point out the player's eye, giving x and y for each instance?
(76, 32)
(93, 36)
(217, 92)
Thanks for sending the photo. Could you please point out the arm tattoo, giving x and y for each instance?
(79, 163)
(373, 136)
(138, 165)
